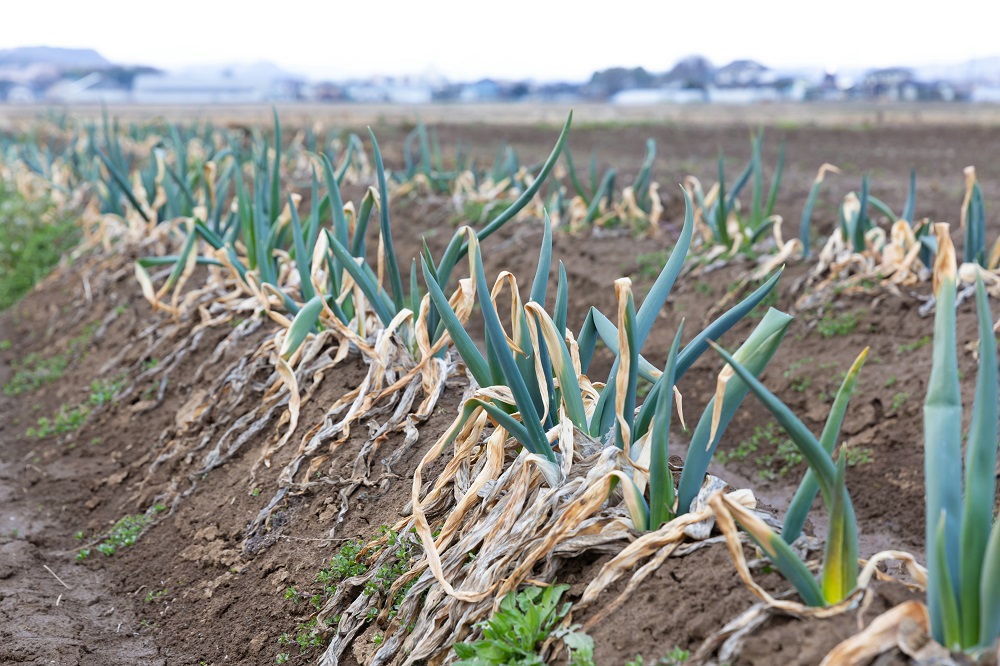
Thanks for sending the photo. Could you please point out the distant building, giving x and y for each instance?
(899, 84)
(326, 91)
(608, 82)
(986, 93)
(646, 96)
(404, 90)
(828, 90)
(180, 89)
(485, 90)
(94, 88)
(691, 72)
(781, 90)
(228, 85)
(561, 93)
(893, 83)
(742, 74)
(366, 92)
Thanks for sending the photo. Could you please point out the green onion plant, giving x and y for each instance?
(963, 538)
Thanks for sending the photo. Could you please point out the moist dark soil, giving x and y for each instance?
(194, 589)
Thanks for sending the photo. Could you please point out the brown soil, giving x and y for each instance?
(215, 596)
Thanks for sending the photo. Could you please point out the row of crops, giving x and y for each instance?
(230, 222)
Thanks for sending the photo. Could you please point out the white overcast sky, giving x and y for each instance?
(537, 39)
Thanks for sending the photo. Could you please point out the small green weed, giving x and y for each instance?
(5, 345)
(908, 347)
(155, 594)
(344, 564)
(898, 400)
(35, 370)
(650, 265)
(859, 456)
(704, 288)
(774, 465)
(387, 574)
(102, 391)
(348, 563)
(768, 448)
(524, 621)
(66, 420)
(675, 657)
(831, 325)
(69, 419)
(308, 636)
(795, 365)
(777, 455)
(801, 383)
(124, 533)
(798, 383)
(150, 391)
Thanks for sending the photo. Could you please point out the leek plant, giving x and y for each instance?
(922, 231)
(428, 160)
(643, 180)
(854, 220)
(963, 539)
(479, 193)
(840, 558)
(805, 225)
(651, 451)
(974, 220)
(597, 205)
(856, 224)
(602, 190)
(501, 367)
(730, 226)
(628, 342)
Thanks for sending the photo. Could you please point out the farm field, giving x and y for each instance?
(212, 460)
